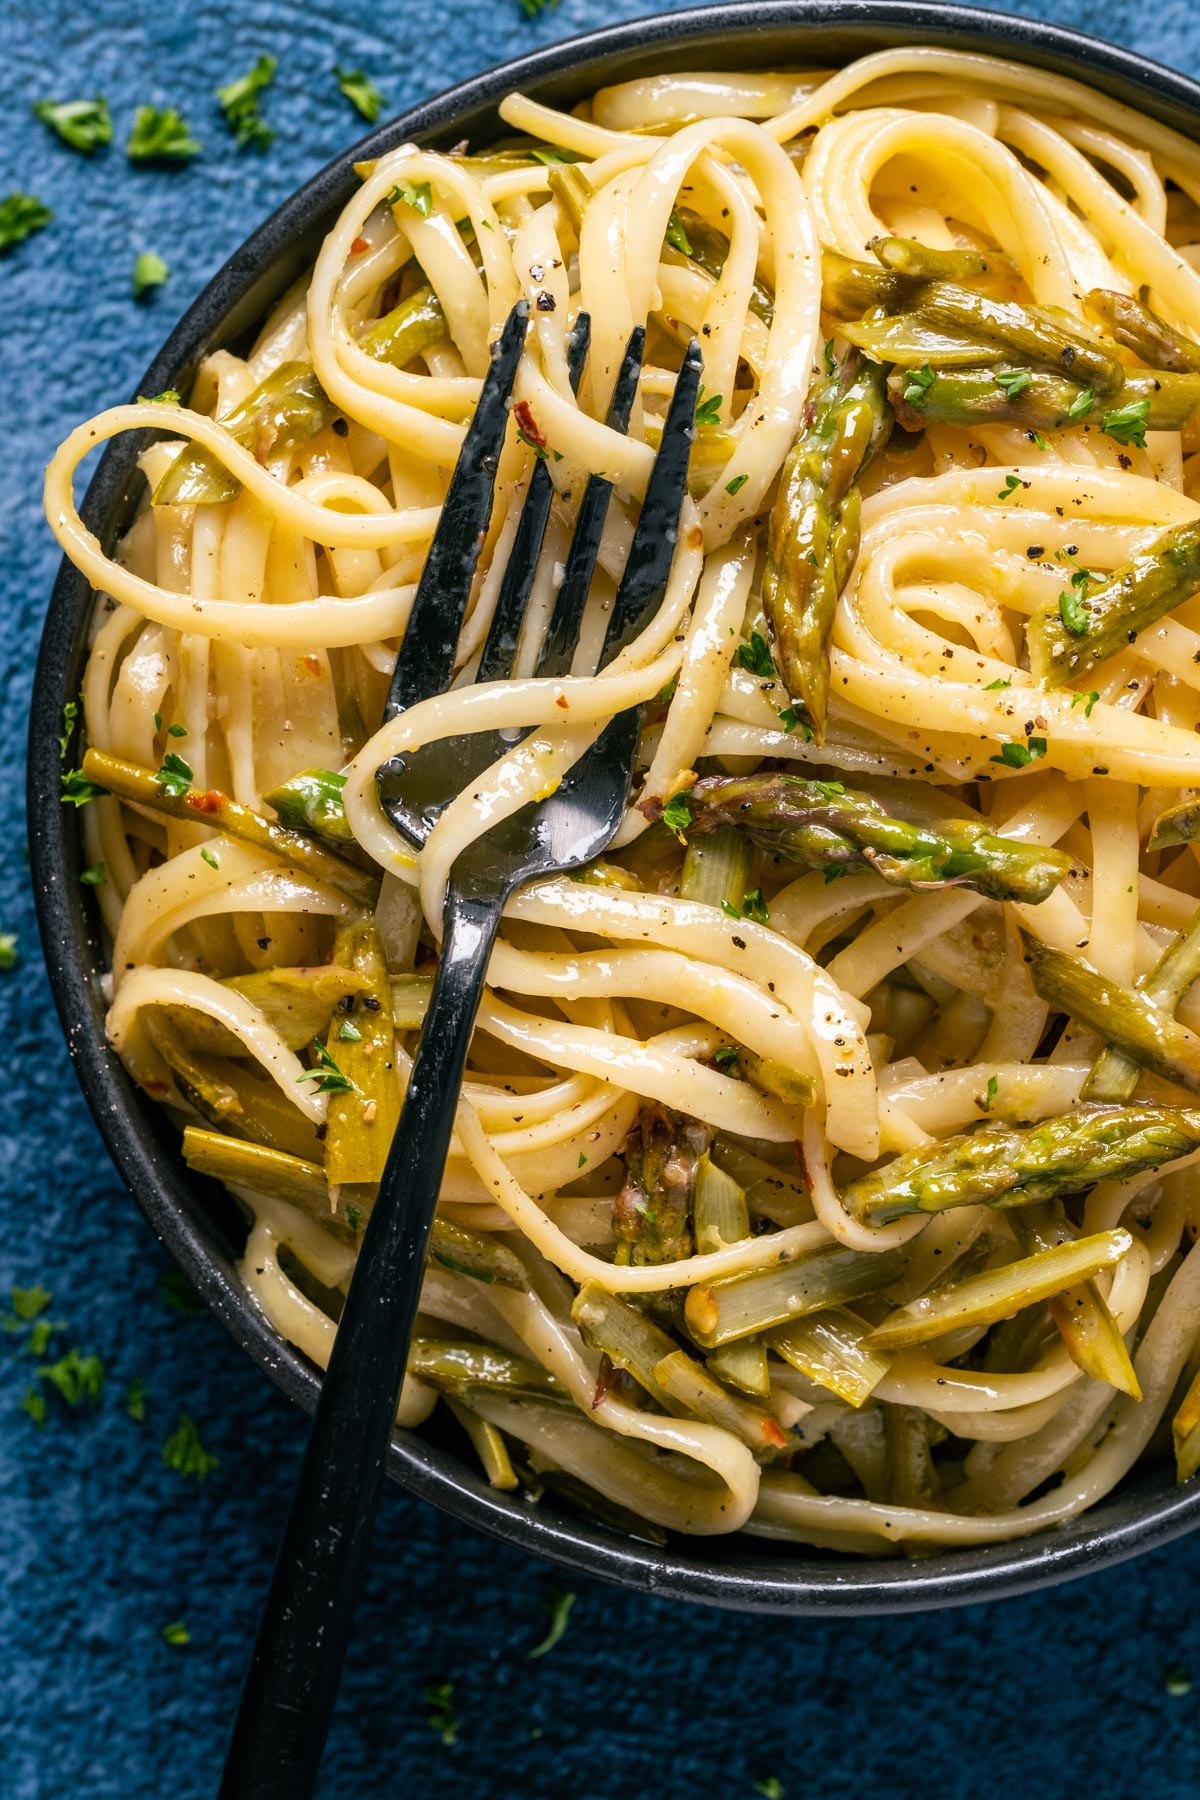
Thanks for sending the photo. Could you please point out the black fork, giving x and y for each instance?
(292, 1682)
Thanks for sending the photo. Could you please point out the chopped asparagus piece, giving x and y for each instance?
(1125, 1017)
(652, 1212)
(1178, 825)
(1031, 334)
(312, 802)
(362, 1118)
(458, 1365)
(1045, 403)
(812, 536)
(1084, 1322)
(1135, 595)
(829, 1347)
(726, 1310)
(487, 1441)
(263, 1170)
(685, 1381)
(478, 1254)
(905, 256)
(1144, 332)
(235, 1096)
(129, 781)
(827, 826)
(716, 869)
(411, 995)
(722, 1217)
(1114, 1074)
(1008, 1165)
(790, 1085)
(849, 289)
(994, 1294)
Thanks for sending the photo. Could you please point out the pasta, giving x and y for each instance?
(823, 1167)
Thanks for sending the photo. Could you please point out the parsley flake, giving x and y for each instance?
(20, 216)
(70, 714)
(83, 124)
(184, 1452)
(79, 1379)
(708, 412)
(439, 1696)
(1073, 613)
(1037, 440)
(176, 1633)
(168, 397)
(210, 857)
(417, 194)
(1011, 484)
(754, 907)
(1091, 700)
(730, 911)
(175, 775)
(327, 1075)
(726, 1056)
(1000, 682)
(149, 273)
(737, 484)
(78, 790)
(770, 1787)
(160, 134)
(558, 1604)
(361, 92)
(349, 1033)
(1019, 756)
(677, 814)
(755, 657)
(34, 1404)
(28, 1303)
(1127, 424)
(8, 950)
(791, 721)
(917, 387)
(96, 876)
(1177, 1682)
(1013, 381)
(238, 101)
(1082, 404)
(582, 1160)
(993, 1088)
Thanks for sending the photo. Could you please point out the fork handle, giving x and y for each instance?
(292, 1683)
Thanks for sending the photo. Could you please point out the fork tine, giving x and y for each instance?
(562, 634)
(504, 631)
(426, 658)
(648, 565)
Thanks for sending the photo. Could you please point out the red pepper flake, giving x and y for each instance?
(359, 245)
(773, 1437)
(563, 702)
(311, 662)
(523, 414)
(604, 1375)
(157, 1088)
(210, 802)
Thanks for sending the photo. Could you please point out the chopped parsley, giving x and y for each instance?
(770, 1787)
(34, 1403)
(726, 1056)
(755, 657)
(737, 484)
(1019, 756)
(238, 100)
(754, 907)
(184, 1452)
(349, 1033)
(70, 714)
(20, 216)
(1082, 404)
(1011, 484)
(176, 1634)
(78, 790)
(175, 730)
(1000, 682)
(1073, 613)
(160, 134)
(676, 236)
(83, 124)
(168, 397)
(1091, 700)
(210, 857)
(677, 814)
(708, 412)
(558, 1604)
(27, 1304)
(417, 194)
(8, 950)
(730, 910)
(79, 1379)
(1013, 381)
(135, 1401)
(327, 1075)
(533, 9)
(439, 1696)
(1037, 440)
(362, 93)
(180, 1296)
(1127, 424)
(830, 358)
(791, 721)
(993, 1088)
(149, 273)
(175, 775)
(96, 876)
(916, 389)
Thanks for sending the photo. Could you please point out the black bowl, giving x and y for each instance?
(194, 1218)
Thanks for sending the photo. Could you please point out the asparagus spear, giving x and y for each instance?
(457, 1365)
(830, 1347)
(290, 407)
(1141, 591)
(312, 802)
(362, 1117)
(726, 1310)
(234, 1096)
(692, 239)
(652, 1212)
(1144, 332)
(129, 781)
(812, 535)
(910, 341)
(994, 1294)
(849, 289)
(488, 1443)
(1083, 1320)
(1147, 1034)
(827, 826)
(1114, 1074)
(722, 1217)
(1031, 334)
(1010, 1165)
(1008, 394)
(905, 256)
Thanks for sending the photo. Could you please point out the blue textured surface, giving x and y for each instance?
(100, 1544)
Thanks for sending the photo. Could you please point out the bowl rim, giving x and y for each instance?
(738, 1573)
